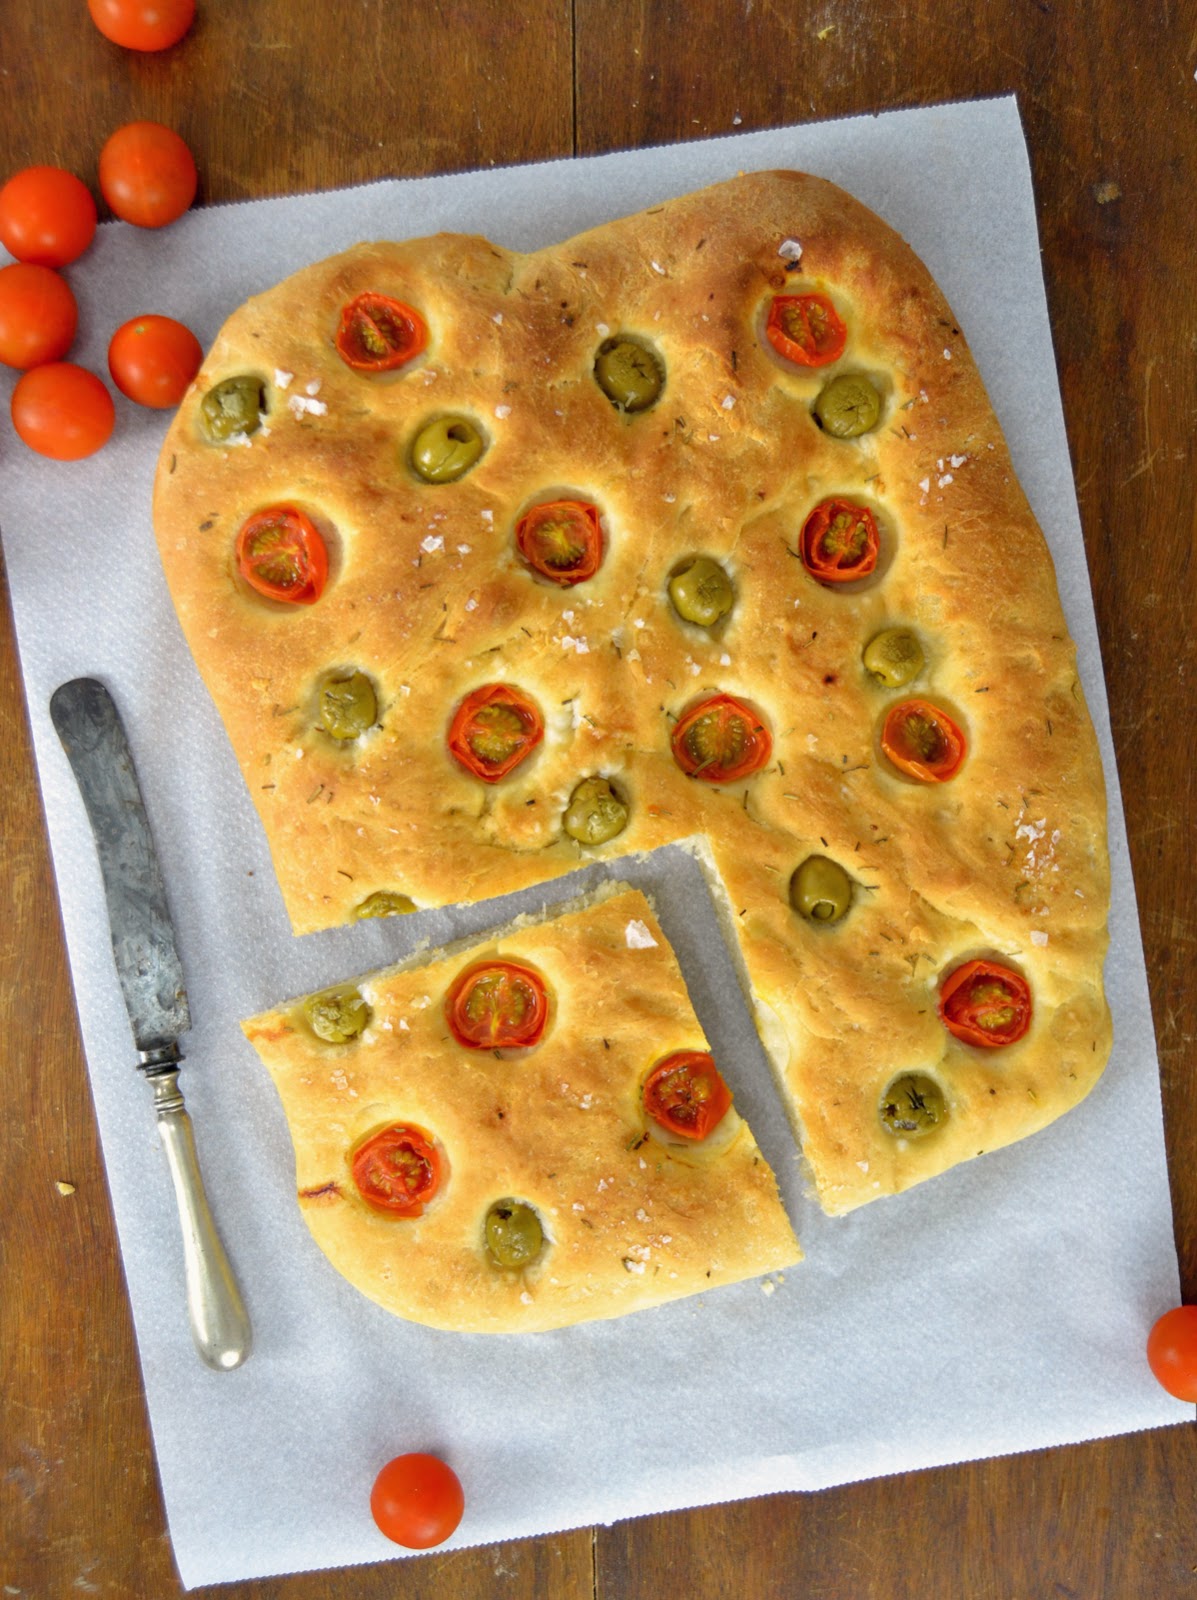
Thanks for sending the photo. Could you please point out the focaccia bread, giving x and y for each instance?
(557, 1197)
(790, 603)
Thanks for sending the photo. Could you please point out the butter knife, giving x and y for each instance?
(151, 978)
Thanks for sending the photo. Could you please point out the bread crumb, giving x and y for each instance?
(638, 937)
(63, 1186)
(768, 1286)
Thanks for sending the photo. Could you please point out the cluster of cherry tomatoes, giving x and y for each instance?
(48, 219)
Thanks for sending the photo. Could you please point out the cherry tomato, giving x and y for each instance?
(37, 315)
(62, 411)
(147, 174)
(280, 554)
(493, 729)
(417, 1501)
(561, 540)
(840, 542)
(721, 739)
(923, 742)
(398, 1170)
(142, 24)
(1172, 1352)
(985, 1003)
(378, 334)
(686, 1094)
(153, 359)
(500, 1005)
(806, 329)
(46, 216)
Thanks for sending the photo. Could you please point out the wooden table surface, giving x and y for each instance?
(280, 96)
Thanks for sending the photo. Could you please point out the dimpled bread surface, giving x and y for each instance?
(630, 1219)
(429, 598)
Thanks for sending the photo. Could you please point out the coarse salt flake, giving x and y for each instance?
(657, 267)
(925, 485)
(790, 250)
(487, 515)
(1038, 937)
(945, 480)
(947, 354)
(471, 604)
(282, 379)
(601, 329)
(957, 461)
(498, 318)
(638, 937)
(728, 401)
(464, 549)
(299, 404)
(313, 387)
(432, 542)
(502, 411)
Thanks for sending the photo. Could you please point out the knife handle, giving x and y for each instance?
(219, 1324)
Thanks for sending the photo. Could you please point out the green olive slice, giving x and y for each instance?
(445, 449)
(348, 705)
(894, 657)
(595, 812)
(701, 592)
(234, 405)
(913, 1105)
(628, 373)
(821, 890)
(514, 1236)
(384, 903)
(337, 1015)
(848, 406)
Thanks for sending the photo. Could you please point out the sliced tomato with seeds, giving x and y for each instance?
(398, 1170)
(806, 329)
(984, 1003)
(720, 740)
(840, 541)
(280, 554)
(378, 334)
(686, 1094)
(923, 742)
(493, 729)
(500, 1005)
(561, 540)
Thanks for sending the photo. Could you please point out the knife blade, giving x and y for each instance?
(151, 979)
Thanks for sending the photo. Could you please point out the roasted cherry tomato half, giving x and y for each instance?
(493, 729)
(142, 24)
(923, 742)
(147, 174)
(280, 554)
(417, 1501)
(378, 334)
(985, 1003)
(840, 542)
(47, 216)
(38, 315)
(1172, 1352)
(720, 740)
(806, 329)
(153, 360)
(62, 411)
(561, 540)
(398, 1170)
(500, 1005)
(686, 1095)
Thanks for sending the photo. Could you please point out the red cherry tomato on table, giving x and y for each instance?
(46, 216)
(153, 359)
(147, 174)
(417, 1501)
(1172, 1352)
(62, 411)
(142, 24)
(37, 315)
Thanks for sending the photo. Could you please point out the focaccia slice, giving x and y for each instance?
(557, 1197)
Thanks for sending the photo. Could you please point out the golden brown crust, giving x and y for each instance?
(427, 597)
(632, 1221)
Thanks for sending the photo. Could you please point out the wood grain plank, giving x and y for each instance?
(273, 98)
(1106, 98)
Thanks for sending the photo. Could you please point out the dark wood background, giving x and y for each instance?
(277, 96)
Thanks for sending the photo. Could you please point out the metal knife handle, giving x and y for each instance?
(219, 1324)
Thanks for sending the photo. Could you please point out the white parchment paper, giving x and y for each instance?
(1000, 1308)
